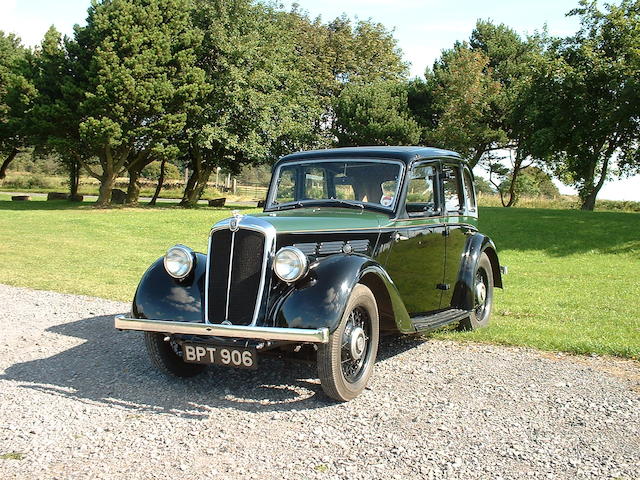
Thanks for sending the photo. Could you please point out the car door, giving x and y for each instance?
(416, 260)
(456, 208)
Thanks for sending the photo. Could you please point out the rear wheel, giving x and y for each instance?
(346, 362)
(482, 295)
(167, 356)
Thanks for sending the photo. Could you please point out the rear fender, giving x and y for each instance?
(162, 297)
(463, 296)
(319, 300)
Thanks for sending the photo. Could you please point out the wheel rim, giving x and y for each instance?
(481, 294)
(355, 345)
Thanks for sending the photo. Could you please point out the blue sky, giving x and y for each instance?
(423, 28)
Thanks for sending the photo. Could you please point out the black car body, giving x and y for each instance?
(352, 243)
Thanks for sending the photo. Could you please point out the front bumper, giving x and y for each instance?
(319, 335)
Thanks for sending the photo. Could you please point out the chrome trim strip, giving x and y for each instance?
(318, 335)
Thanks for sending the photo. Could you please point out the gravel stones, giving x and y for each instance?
(80, 400)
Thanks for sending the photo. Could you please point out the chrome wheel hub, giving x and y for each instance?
(481, 292)
(357, 343)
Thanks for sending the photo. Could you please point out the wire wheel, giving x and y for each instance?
(482, 291)
(346, 362)
(355, 344)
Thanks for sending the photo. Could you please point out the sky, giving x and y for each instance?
(423, 29)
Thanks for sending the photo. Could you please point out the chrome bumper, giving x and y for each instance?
(320, 335)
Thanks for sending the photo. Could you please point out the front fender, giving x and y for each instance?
(161, 297)
(463, 296)
(321, 298)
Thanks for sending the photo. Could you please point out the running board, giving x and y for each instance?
(440, 319)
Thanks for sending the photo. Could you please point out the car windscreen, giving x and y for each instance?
(346, 182)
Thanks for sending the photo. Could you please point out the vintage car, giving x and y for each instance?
(353, 243)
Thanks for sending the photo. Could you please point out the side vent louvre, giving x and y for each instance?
(331, 248)
(328, 248)
(306, 248)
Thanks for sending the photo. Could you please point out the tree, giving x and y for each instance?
(134, 65)
(16, 95)
(339, 53)
(254, 103)
(464, 93)
(375, 114)
(53, 118)
(587, 99)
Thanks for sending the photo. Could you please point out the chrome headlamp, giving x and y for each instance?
(290, 264)
(178, 261)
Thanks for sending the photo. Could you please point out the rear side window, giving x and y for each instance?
(453, 199)
(469, 192)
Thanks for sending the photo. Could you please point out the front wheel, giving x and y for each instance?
(482, 295)
(345, 363)
(167, 356)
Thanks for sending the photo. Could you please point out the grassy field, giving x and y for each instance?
(573, 283)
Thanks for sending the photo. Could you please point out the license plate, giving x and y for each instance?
(213, 354)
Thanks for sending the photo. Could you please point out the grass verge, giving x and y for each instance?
(573, 281)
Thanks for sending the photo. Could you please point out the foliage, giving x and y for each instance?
(463, 94)
(134, 66)
(16, 95)
(339, 53)
(152, 171)
(566, 268)
(375, 114)
(254, 104)
(587, 99)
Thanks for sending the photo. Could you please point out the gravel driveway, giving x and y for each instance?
(79, 400)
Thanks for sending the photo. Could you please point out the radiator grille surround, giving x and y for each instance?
(237, 263)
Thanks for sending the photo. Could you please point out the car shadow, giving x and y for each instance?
(112, 367)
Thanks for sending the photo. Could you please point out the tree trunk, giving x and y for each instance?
(589, 192)
(74, 179)
(133, 189)
(156, 194)
(107, 182)
(201, 171)
(517, 168)
(195, 186)
(7, 161)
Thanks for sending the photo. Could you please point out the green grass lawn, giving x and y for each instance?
(573, 283)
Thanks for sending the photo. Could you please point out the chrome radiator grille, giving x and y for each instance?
(236, 266)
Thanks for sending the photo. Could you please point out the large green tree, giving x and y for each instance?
(254, 104)
(339, 53)
(465, 99)
(587, 99)
(375, 114)
(134, 65)
(16, 95)
(54, 115)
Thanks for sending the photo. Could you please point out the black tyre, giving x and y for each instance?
(346, 362)
(482, 295)
(167, 356)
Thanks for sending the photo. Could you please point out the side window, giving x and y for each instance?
(469, 192)
(453, 201)
(315, 184)
(421, 198)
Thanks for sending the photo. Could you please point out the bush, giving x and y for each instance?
(31, 181)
